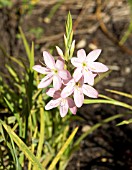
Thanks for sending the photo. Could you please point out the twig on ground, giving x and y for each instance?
(79, 18)
(107, 32)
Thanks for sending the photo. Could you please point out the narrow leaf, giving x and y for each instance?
(124, 122)
(9, 105)
(113, 102)
(12, 73)
(102, 76)
(32, 57)
(120, 93)
(62, 150)
(23, 147)
(27, 48)
(17, 61)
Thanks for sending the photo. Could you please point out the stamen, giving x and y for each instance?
(55, 71)
(63, 101)
(42, 63)
(84, 64)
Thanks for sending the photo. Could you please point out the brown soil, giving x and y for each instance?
(109, 147)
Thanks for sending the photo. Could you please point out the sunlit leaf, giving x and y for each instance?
(62, 150)
(124, 122)
(102, 76)
(23, 147)
(17, 61)
(9, 105)
(12, 73)
(27, 48)
(113, 102)
(120, 93)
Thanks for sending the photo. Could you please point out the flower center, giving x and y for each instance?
(78, 84)
(84, 64)
(63, 102)
(55, 71)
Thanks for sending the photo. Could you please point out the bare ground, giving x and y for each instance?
(109, 147)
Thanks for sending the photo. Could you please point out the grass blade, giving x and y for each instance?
(23, 147)
(113, 102)
(27, 48)
(32, 57)
(120, 93)
(9, 105)
(124, 122)
(62, 150)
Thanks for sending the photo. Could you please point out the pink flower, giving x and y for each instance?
(54, 71)
(86, 66)
(79, 89)
(63, 103)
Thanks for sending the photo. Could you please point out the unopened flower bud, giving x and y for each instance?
(60, 52)
(72, 49)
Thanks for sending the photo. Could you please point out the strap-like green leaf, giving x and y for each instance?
(62, 150)
(27, 48)
(23, 147)
(124, 122)
(120, 93)
(113, 102)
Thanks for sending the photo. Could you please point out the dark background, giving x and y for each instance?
(109, 147)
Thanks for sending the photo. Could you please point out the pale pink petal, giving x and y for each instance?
(76, 62)
(60, 52)
(48, 76)
(93, 55)
(64, 74)
(72, 105)
(94, 74)
(77, 74)
(89, 91)
(63, 107)
(40, 69)
(46, 81)
(98, 67)
(52, 104)
(78, 96)
(50, 92)
(69, 77)
(49, 60)
(68, 90)
(57, 82)
(59, 64)
(81, 54)
(73, 110)
(88, 77)
(65, 82)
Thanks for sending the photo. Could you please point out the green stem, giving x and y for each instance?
(42, 125)
(42, 129)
